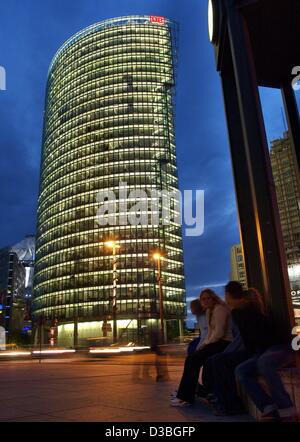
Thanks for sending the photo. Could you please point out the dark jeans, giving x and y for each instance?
(193, 345)
(266, 365)
(219, 378)
(193, 363)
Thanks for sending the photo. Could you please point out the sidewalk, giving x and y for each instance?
(94, 390)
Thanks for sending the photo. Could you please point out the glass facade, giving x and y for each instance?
(108, 119)
(285, 173)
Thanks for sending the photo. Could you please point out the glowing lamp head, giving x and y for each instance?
(157, 256)
(213, 21)
(210, 20)
(110, 244)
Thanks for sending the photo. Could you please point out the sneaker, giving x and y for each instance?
(174, 394)
(269, 409)
(270, 414)
(179, 403)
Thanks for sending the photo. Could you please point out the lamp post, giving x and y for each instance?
(157, 256)
(160, 162)
(75, 301)
(112, 245)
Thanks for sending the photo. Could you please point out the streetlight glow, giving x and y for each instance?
(111, 244)
(157, 256)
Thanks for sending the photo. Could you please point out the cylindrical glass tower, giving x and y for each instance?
(108, 119)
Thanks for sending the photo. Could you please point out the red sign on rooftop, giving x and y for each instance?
(156, 19)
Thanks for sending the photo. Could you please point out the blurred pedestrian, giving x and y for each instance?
(161, 357)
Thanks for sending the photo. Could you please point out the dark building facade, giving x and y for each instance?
(12, 289)
(109, 118)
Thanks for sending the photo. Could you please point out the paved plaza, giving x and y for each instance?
(114, 389)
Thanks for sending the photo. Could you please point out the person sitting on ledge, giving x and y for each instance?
(218, 338)
(218, 380)
(218, 374)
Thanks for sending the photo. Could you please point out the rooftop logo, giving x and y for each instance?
(2, 79)
(156, 19)
(296, 79)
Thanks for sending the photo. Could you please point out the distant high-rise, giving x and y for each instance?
(238, 269)
(108, 119)
(285, 172)
(12, 289)
(25, 250)
(16, 281)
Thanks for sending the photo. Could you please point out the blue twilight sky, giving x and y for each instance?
(30, 33)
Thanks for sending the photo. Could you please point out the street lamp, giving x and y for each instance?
(75, 300)
(112, 245)
(158, 256)
(213, 21)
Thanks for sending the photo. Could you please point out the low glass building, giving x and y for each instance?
(109, 118)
